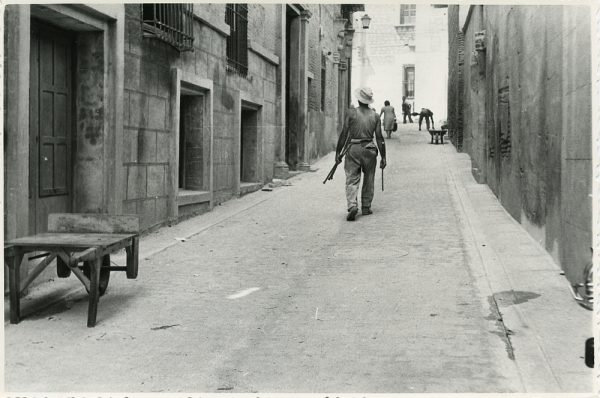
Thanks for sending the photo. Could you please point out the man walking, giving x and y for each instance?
(361, 125)
(427, 114)
(406, 110)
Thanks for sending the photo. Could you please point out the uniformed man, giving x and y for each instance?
(361, 125)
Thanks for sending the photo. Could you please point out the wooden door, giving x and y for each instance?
(50, 127)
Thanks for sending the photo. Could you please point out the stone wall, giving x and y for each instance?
(148, 136)
(527, 121)
(323, 42)
(456, 57)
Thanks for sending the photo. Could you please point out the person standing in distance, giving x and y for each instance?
(361, 125)
(406, 110)
(389, 117)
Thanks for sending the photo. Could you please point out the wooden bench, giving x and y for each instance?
(438, 135)
(82, 245)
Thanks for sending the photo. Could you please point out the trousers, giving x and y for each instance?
(421, 117)
(360, 160)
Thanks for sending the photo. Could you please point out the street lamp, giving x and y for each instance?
(366, 21)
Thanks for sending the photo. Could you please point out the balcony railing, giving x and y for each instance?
(172, 23)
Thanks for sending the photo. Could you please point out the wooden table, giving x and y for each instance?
(70, 249)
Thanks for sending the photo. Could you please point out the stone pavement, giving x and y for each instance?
(438, 291)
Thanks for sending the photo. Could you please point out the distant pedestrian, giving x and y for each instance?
(406, 110)
(360, 127)
(389, 118)
(427, 114)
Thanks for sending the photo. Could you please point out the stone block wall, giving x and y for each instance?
(456, 57)
(148, 136)
(527, 121)
(322, 35)
(146, 133)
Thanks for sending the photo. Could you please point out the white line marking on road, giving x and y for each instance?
(243, 293)
(317, 314)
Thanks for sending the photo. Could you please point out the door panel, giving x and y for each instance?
(50, 124)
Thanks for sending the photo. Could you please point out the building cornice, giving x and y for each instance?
(220, 27)
(263, 52)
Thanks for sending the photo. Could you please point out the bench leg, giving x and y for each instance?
(14, 276)
(94, 291)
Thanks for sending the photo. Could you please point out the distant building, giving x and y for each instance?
(520, 105)
(404, 52)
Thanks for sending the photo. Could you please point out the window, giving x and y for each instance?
(171, 23)
(236, 16)
(408, 14)
(323, 81)
(409, 81)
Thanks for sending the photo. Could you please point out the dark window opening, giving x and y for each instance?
(191, 143)
(249, 146)
(409, 81)
(171, 23)
(236, 16)
(408, 14)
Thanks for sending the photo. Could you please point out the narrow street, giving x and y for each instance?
(438, 291)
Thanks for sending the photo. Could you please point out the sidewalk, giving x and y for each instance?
(438, 291)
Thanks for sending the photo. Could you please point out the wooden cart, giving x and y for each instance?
(438, 135)
(81, 244)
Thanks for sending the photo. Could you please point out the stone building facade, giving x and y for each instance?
(133, 118)
(403, 48)
(524, 89)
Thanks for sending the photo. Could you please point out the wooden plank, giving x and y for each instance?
(93, 223)
(94, 291)
(132, 258)
(64, 256)
(14, 276)
(69, 240)
(79, 274)
(9, 251)
(115, 247)
(36, 271)
(89, 254)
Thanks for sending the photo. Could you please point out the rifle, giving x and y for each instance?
(342, 154)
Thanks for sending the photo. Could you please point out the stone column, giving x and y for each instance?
(16, 101)
(303, 133)
(280, 167)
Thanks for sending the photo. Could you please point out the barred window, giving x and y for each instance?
(408, 14)
(236, 16)
(171, 23)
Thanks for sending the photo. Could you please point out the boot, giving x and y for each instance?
(352, 213)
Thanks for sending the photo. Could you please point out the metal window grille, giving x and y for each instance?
(172, 23)
(236, 16)
(408, 14)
